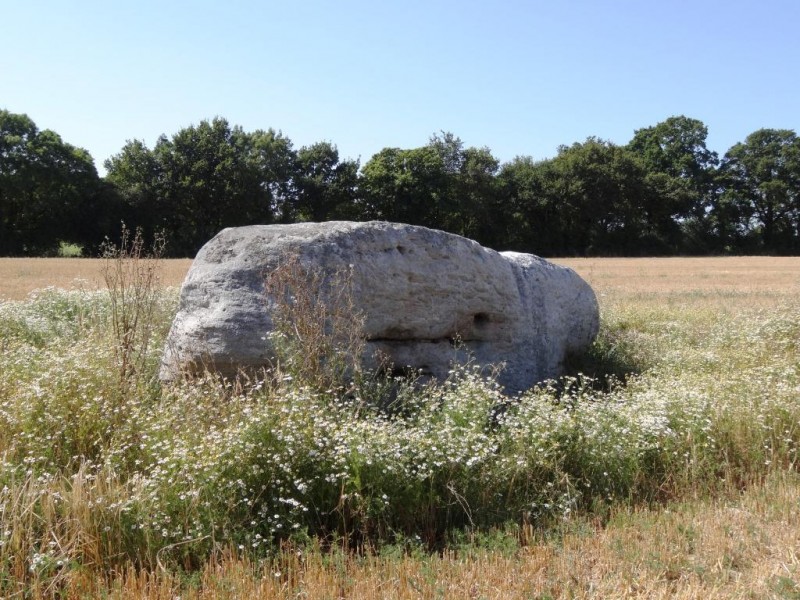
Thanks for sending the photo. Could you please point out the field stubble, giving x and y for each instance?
(20, 276)
(707, 281)
(716, 280)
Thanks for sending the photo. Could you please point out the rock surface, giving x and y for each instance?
(420, 290)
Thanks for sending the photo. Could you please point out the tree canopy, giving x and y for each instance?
(762, 177)
(664, 192)
(47, 188)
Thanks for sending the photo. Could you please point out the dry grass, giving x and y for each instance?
(708, 280)
(20, 276)
(742, 546)
(723, 279)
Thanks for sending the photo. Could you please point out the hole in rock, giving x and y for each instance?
(409, 372)
(480, 320)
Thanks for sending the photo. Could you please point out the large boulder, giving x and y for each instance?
(428, 299)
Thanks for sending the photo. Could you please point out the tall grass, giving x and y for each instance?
(131, 274)
(318, 331)
(103, 471)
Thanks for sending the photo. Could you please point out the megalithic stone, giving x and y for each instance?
(428, 298)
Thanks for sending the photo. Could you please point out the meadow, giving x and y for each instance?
(663, 465)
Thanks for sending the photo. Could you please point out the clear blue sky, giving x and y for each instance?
(519, 77)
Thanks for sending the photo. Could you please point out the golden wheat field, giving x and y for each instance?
(20, 276)
(710, 279)
(736, 539)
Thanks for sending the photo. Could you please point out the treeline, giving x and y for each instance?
(664, 192)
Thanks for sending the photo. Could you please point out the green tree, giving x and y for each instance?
(762, 178)
(468, 198)
(533, 222)
(274, 160)
(46, 186)
(136, 175)
(208, 183)
(478, 205)
(407, 186)
(441, 185)
(677, 161)
(203, 179)
(677, 147)
(597, 199)
(325, 187)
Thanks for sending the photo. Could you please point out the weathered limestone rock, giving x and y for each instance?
(420, 290)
